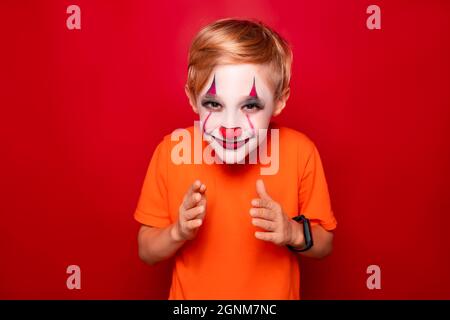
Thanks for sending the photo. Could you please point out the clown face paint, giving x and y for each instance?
(234, 106)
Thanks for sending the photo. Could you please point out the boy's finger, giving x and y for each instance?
(262, 213)
(266, 236)
(195, 186)
(262, 203)
(191, 200)
(193, 224)
(194, 212)
(261, 190)
(202, 203)
(202, 188)
(265, 224)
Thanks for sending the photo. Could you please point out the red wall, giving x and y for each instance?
(82, 111)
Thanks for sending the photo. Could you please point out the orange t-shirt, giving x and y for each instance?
(225, 260)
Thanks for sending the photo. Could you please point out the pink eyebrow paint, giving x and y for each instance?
(212, 88)
(253, 90)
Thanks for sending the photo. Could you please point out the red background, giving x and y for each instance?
(82, 111)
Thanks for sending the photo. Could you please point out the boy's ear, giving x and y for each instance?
(191, 100)
(280, 103)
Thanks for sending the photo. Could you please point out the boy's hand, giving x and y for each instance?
(191, 213)
(269, 215)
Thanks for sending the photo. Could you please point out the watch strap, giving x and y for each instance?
(306, 232)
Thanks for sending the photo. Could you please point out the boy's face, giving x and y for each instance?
(236, 103)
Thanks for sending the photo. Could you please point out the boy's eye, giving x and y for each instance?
(211, 104)
(252, 107)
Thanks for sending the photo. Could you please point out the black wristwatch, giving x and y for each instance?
(306, 231)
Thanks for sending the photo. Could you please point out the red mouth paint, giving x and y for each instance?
(232, 145)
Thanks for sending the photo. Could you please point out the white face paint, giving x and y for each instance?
(235, 104)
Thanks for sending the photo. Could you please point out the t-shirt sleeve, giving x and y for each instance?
(314, 199)
(152, 207)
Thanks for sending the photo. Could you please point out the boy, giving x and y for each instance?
(229, 226)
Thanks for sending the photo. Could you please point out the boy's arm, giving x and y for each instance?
(156, 244)
(314, 202)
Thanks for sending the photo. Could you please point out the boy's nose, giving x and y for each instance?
(230, 133)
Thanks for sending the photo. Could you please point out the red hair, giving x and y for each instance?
(238, 41)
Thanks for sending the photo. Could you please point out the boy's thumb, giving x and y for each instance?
(261, 190)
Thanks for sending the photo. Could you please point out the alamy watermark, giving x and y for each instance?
(189, 150)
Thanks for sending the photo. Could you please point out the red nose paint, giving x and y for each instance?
(230, 133)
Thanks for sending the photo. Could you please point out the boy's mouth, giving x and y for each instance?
(231, 144)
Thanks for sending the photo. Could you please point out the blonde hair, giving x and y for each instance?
(238, 41)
